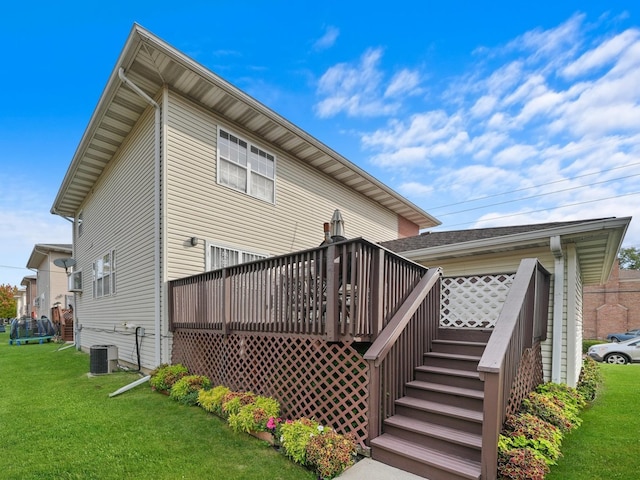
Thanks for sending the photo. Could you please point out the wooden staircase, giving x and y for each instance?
(436, 431)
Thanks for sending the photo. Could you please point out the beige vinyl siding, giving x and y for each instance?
(119, 216)
(59, 284)
(197, 206)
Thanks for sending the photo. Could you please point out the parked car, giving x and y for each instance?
(619, 337)
(621, 353)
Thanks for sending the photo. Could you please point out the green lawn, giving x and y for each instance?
(57, 422)
(607, 445)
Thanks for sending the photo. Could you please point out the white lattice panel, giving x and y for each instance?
(473, 301)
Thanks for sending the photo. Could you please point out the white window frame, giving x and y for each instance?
(248, 160)
(104, 283)
(79, 222)
(241, 256)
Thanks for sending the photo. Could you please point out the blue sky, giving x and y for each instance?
(483, 115)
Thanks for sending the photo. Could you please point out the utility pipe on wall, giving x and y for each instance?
(156, 210)
(558, 308)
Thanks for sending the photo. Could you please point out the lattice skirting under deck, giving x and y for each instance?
(309, 377)
(530, 375)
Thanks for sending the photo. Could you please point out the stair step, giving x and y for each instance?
(452, 360)
(458, 346)
(449, 376)
(465, 334)
(438, 387)
(426, 405)
(464, 419)
(423, 461)
(451, 435)
(446, 394)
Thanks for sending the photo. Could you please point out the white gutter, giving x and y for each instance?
(156, 210)
(558, 308)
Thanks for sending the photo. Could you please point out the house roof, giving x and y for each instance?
(597, 243)
(151, 63)
(41, 250)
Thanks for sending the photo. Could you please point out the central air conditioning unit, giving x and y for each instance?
(103, 359)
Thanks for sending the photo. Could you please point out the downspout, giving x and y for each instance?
(156, 210)
(558, 309)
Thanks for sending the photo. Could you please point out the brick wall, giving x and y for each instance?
(613, 307)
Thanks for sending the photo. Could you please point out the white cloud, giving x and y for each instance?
(415, 189)
(404, 82)
(354, 89)
(604, 54)
(361, 90)
(328, 39)
(520, 129)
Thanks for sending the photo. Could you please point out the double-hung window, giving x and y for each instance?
(104, 275)
(246, 167)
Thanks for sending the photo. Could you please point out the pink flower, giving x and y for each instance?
(271, 424)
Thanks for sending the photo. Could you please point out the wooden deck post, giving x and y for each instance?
(333, 271)
(226, 302)
(377, 293)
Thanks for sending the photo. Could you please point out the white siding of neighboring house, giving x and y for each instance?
(58, 283)
(118, 215)
(198, 207)
(44, 286)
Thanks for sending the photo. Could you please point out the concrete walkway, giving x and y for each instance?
(368, 469)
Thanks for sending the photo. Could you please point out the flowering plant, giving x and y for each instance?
(187, 389)
(294, 437)
(330, 453)
(163, 377)
(253, 417)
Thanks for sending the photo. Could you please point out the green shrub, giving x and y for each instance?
(590, 379)
(521, 464)
(232, 402)
(211, 400)
(186, 389)
(165, 375)
(550, 409)
(253, 417)
(527, 430)
(330, 453)
(565, 393)
(294, 437)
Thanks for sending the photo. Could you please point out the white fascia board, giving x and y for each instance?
(518, 239)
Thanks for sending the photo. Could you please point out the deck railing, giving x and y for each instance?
(400, 347)
(521, 326)
(342, 291)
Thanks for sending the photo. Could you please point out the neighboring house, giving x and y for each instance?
(51, 280)
(584, 251)
(21, 302)
(31, 293)
(180, 172)
(613, 306)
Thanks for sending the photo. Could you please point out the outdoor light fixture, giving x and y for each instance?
(194, 241)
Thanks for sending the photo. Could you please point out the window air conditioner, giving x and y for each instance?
(75, 282)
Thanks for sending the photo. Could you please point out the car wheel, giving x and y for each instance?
(616, 358)
(615, 339)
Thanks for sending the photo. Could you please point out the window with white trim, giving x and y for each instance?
(79, 223)
(246, 167)
(219, 256)
(104, 275)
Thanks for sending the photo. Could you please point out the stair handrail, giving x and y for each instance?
(520, 325)
(387, 338)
